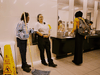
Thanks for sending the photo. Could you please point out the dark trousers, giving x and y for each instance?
(44, 43)
(78, 53)
(22, 44)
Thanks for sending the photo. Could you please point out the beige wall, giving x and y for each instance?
(10, 13)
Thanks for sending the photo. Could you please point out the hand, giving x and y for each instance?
(85, 37)
(49, 34)
(40, 30)
(29, 31)
(70, 34)
(45, 36)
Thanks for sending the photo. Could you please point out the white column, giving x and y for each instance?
(95, 13)
(84, 8)
(71, 12)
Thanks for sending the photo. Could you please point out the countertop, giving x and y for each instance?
(70, 37)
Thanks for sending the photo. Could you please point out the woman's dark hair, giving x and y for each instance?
(26, 15)
(78, 14)
(38, 17)
(91, 22)
(58, 17)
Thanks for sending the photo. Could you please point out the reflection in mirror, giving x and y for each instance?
(63, 13)
(90, 9)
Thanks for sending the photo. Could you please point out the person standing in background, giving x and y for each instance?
(1, 63)
(78, 53)
(61, 27)
(43, 32)
(89, 23)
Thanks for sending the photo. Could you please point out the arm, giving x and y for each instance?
(39, 33)
(76, 23)
(63, 28)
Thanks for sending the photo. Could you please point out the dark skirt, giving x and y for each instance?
(78, 53)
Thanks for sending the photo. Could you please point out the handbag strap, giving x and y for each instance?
(83, 21)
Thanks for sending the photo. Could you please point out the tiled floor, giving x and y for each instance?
(90, 66)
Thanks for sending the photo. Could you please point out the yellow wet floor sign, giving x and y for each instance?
(8, 63)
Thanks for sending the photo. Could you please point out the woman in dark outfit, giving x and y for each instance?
(78, 53)
(43, 31)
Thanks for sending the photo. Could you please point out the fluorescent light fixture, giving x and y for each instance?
(41, 4)
(15, 1)
(60, 3)
(54, 6)
(54, 0)
(65, 7)
(27, 3)
(76, 8)
(1, 1)
(90, 8)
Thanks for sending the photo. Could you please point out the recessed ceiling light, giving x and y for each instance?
(54, 6)
(27, 3)
(15, 1)
(41, 4)
(65, 7)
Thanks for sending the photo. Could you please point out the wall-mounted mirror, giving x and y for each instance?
(68, 8)
(63, 12)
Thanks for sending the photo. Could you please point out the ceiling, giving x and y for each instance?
(77, 3)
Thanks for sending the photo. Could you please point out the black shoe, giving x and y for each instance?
(75, 63)
(26, 69)
(44, 63)
(28, 65)
(52, 65)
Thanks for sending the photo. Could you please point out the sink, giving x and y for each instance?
(68, 37)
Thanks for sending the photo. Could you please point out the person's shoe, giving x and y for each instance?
(75, 63)
(28, 65)
(26, 69)
(52, 65)
(44, 63)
